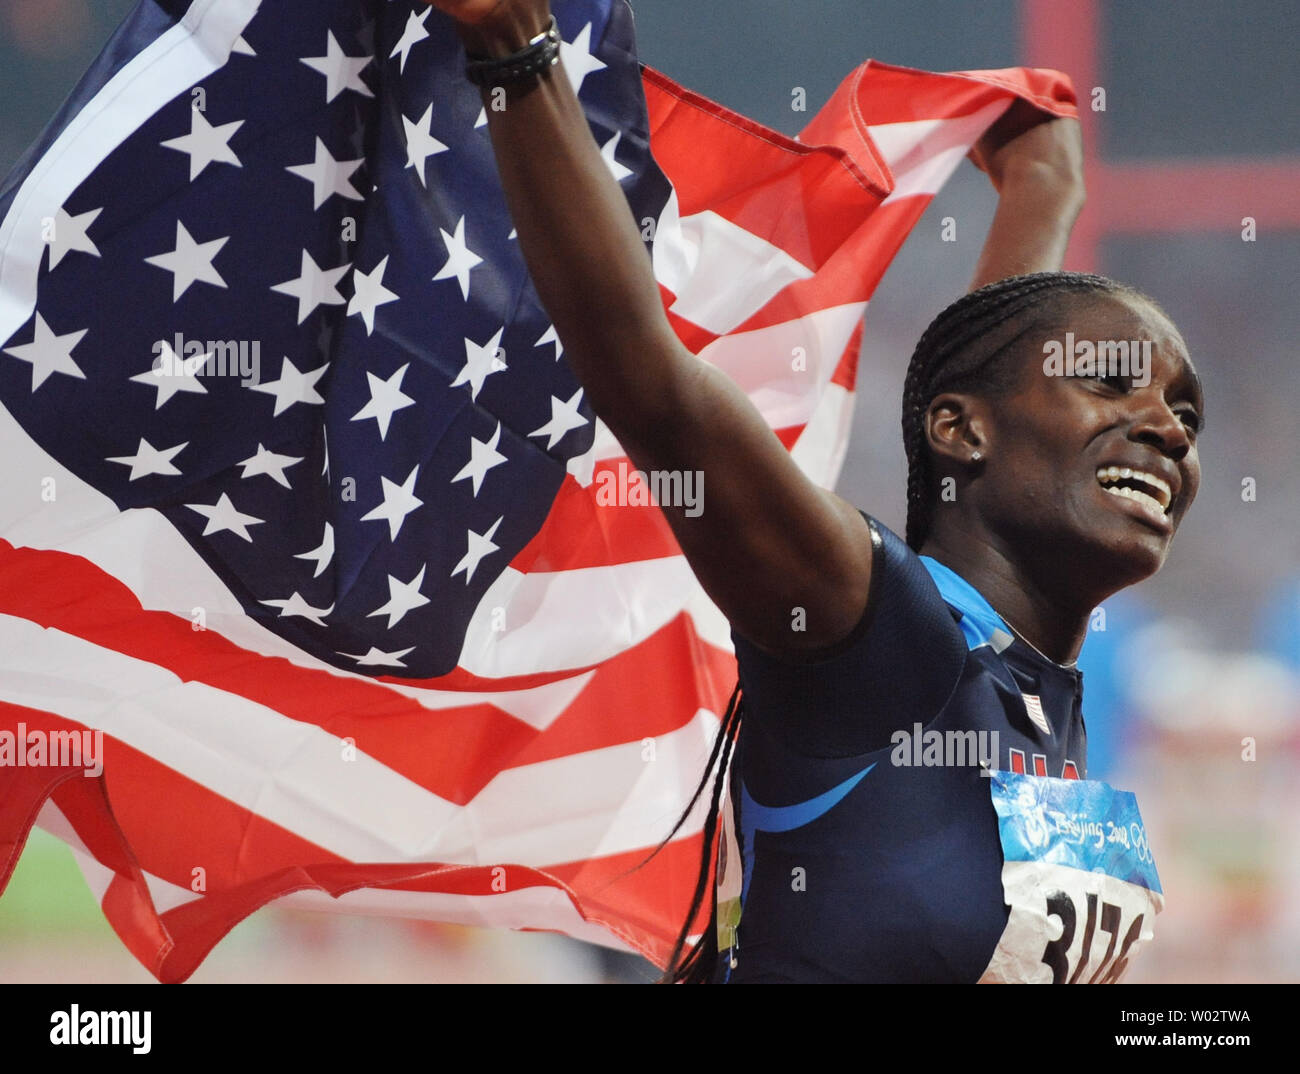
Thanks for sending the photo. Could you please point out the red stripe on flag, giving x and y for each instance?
(248, 861)
(879, 93)
(846, 373)
(705, 176)
(452, 752)
(588, 527)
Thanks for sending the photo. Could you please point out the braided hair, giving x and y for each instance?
(694, 965)
(966, 348)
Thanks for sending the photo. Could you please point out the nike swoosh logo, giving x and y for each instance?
(786, 818)
(756, 817)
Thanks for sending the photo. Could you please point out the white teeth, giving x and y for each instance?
(1163, 497)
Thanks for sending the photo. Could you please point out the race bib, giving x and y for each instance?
(729, 878)
(1079, 877)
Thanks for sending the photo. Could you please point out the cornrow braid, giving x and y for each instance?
(959, 350)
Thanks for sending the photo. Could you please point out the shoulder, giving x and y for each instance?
(905, 654)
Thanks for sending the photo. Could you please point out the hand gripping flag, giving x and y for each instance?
(302, 513)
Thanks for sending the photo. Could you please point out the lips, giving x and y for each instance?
(1141, 486)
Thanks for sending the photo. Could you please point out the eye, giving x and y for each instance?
(1192, 420)
(1120, 382)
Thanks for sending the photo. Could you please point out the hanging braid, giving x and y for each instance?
(963, 350)
(697, 966)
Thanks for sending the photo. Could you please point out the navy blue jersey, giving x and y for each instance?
(868, 842)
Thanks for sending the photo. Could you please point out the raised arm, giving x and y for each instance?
(1036, 165)
(767, 541)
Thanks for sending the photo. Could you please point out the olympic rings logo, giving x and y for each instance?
(1138, 840)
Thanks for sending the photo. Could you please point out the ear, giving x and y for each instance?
(956, 425)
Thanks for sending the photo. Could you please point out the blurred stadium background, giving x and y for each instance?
(1201, 129)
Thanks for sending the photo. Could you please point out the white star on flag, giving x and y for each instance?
(420, 142)
(296, 605)
(551, 336)
(480, 545)
(49, 353)
(342, 72)
(69, 234)
(190, 262)
(206, 144)
(617, 170)
(293, 386)
(314, 287)
(223, 516)
(369, 293)
(172, 374)
(150, 460)
(483, 455)
(378, 658)
(402, 598)
(412, 35)
(386, 397)
(577, 60)
(460, 259)
(322, 553)
(270, 464)
(328, 176)
(399, 501)
(481, 361)
(564, 416)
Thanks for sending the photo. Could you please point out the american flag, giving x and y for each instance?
(298, 497)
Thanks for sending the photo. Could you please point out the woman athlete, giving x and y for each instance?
(858, 849)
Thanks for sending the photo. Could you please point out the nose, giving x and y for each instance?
(1155, 423)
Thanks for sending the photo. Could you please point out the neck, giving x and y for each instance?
(1047, 608)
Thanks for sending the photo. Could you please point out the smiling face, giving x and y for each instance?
(1092, 473)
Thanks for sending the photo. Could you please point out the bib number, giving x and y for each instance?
(1078, 877)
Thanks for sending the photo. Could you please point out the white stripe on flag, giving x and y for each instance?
(290, 772)
(819, 451)
(782, 368)
(604, 611)
(922, 153)
(764, 357)
(585, 805)
(693, 254)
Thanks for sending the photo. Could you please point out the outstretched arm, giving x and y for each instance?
(767, 540)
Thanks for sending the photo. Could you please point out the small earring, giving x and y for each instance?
(975, 456)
